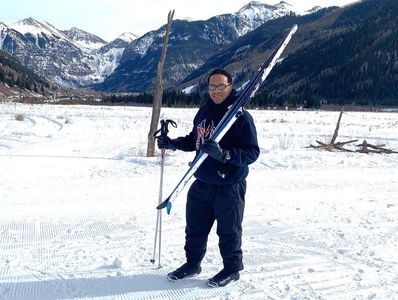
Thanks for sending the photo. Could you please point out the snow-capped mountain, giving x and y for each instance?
(312, 10)
(70, 58)
(4, 29)
(128, 37)
(257, 13)
(78, 58)
(17, 81)
(37, 30)
(84, 39)
(107, 58)
(44, 49)
(191, 43)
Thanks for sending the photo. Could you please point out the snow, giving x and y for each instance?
(37, 28)
(251, 13)
(85, 41)
(257, 10)
(142, 44)
(188, 90)
(95, 65)
(3, 33)
(78, 199)
(128, 37)
(88, 46)
(104, 63)
(30, 26)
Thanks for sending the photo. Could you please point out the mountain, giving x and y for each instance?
(338, 55)
(75, 58)
(108, 56)
(71, 58)
(191, 43)
(313, 10)
(255, 13)
(243, 56)
(17, 81)
(43, 48)
(355, 61)
(128, 37)
(84, 39)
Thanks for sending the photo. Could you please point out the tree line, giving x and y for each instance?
(14, 74)
(171, 98)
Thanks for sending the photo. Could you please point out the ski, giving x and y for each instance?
(233, 113)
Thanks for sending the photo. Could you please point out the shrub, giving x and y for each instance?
(19, 117)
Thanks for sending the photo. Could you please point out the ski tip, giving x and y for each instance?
(163, 204)
(168, 207)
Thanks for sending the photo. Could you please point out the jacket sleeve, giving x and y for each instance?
(185, 143)
(243, 146)
(188, 142)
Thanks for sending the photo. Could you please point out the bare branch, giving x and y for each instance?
(333, 145)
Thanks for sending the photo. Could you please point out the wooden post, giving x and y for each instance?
(158, 94)
(333, 144)
(336, 131)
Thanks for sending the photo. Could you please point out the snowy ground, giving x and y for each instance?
(78, 197)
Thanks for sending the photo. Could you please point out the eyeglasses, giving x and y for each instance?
(220, 87)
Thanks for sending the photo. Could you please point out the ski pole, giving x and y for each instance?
(158, 229)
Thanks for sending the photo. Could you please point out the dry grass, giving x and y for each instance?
(19, 117)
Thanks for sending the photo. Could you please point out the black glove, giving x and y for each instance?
(214, 150)
(164, 142)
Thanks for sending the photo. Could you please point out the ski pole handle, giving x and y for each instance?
(164, 128)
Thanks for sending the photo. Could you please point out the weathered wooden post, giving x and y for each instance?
(158, 94)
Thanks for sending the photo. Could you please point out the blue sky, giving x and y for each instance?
(110, 18)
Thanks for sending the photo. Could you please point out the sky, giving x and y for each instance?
(110, 18)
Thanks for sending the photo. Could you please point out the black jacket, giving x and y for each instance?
(240, 141)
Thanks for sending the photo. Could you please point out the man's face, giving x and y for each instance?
(219, 88)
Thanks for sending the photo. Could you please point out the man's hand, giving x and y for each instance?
(213, 149)
(164, 142)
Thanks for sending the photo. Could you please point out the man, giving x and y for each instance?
(219, 190)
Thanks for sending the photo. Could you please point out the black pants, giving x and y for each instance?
(207, 203)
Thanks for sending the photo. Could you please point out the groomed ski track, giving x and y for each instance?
(77, 212)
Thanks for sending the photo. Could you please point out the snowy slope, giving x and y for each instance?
(77, 214)
(256, 13)
(86, 41)
(70, 58)
(128, 37)
(36, 28)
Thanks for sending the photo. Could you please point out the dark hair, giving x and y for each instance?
(220, 72)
